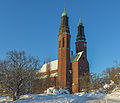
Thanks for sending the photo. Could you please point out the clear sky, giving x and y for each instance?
(33, 26)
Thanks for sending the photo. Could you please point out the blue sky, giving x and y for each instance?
(33, 26)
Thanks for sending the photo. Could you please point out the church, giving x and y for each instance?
(69, 67)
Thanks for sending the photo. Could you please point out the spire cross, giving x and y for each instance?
(64, 6)
(64, 9)
(80, 19)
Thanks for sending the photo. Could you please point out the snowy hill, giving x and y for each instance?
(64, 97)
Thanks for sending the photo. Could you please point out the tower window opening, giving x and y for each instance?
(83, 56)
(63, 42)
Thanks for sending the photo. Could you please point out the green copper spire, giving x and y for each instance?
(64, 27)
(64, 9)
(80, 19)
(80, 23)
(64, 13)
(80, 34)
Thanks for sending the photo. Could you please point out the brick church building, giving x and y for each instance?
(69, 67)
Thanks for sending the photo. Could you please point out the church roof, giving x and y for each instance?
(54, 64)
(51, 75)
(76, 57)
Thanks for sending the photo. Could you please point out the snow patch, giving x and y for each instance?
(53, 90)
(64, 91)
(25, 96)
(54, 66)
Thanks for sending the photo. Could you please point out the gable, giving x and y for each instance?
(76, 57)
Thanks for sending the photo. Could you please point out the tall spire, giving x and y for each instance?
(64, 6)
(64, 9)
(80, 34)
(64, 13)
(80, 19)
(64, 27)
(80, 22)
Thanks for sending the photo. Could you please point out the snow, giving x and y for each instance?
(108, 85)
(63, 91)
(114, 95)
(54, 66)
(25, 96)
(95, 95)
(4, 98)
(54, 74)
(50, 90)
(53, 90)
(57, 96)
(80, 53)
(51, 75)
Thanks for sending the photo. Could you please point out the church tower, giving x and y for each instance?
(81, 46)
(81, 40)
(80, 67)
(64, 52)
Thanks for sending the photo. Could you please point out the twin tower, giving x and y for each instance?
(71, 66)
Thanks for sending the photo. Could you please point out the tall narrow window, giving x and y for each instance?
(63, 42)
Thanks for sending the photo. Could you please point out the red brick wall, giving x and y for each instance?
(79, 68)
(81, 46)
(83, 69)
(63, 60)
(83, 65)
(74, 77)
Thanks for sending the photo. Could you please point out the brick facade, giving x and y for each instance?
(63, 60)
(70, 70)
(75, 77)
(81, 67)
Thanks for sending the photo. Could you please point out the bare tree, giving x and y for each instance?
(43, 81)
(48, 71)
(84, 82)
(111, 74)
(96, 81)
(17, 73)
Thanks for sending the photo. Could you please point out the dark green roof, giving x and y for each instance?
(76, 57)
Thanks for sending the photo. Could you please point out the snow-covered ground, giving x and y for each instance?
(62, 97)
